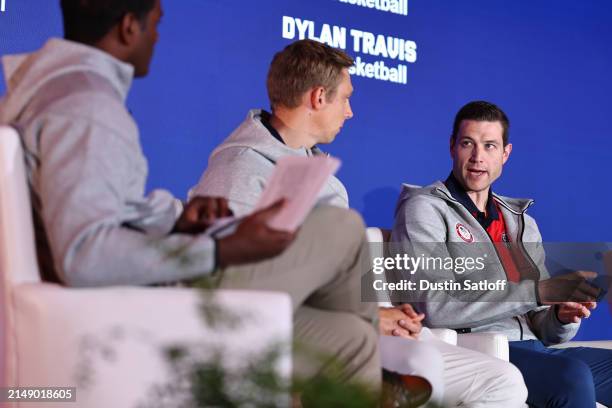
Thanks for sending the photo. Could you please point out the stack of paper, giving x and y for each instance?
(299, 180)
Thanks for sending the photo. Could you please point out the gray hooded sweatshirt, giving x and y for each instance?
(427, 216)
(240, 166)
(87, 173)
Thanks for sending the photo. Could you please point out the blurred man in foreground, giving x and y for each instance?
(95, 227)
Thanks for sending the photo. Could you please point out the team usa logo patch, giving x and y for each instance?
(464, 233)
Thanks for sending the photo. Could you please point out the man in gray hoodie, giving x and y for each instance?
(309, 88)
(95, 227)
(462, 218)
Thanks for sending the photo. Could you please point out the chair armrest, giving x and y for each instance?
(446, 335)
(109, 342)
(605, 344)
(374, 234)
(492, 344)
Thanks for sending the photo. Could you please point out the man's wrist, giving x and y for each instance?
(537, 294)
(557, 310)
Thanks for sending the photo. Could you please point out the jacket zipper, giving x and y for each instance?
(527, 256)
(481, 227)
(522, 231)
(520, 326)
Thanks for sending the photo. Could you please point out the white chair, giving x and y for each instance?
(107, 342)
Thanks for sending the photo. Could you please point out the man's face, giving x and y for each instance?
(336, 110)
(145, 45)
(479, 154)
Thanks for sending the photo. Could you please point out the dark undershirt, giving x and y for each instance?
(265, 120)
(459, 193)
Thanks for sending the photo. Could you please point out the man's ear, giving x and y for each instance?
(130, 29)
(507, 151)
(317, 97)
(451, 145)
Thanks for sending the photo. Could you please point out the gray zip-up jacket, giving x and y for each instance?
(87, 173)
(239, 168)
(430, 215)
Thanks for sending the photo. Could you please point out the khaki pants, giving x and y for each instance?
(321, 271)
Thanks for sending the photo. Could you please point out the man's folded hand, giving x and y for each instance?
(572, 312)
(400, 321)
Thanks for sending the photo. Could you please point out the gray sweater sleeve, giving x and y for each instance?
(101, 229)
(547, 327)
(236, 173)
(543, 321)
(418, 222)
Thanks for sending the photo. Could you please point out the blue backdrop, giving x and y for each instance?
(546, 63)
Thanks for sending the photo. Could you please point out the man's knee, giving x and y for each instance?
(512, 380)
(505, 384)
(360, 350)
(411, 357)
(338, 219)
(574, 382)
(359, 335)
(352, 220)
(417, 358)
(573, 369)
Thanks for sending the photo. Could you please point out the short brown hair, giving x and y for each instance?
(482, 111)
(301, 66)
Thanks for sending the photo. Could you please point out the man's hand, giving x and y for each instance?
(200, 213)
(572, 287)
(400, 321)
(572, 312)
(254, 240)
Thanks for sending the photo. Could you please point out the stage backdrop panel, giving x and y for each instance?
(546, 63)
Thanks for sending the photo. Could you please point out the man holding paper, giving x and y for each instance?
(95, 227)
(309, 89)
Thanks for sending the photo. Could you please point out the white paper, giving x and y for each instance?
(299, 180)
